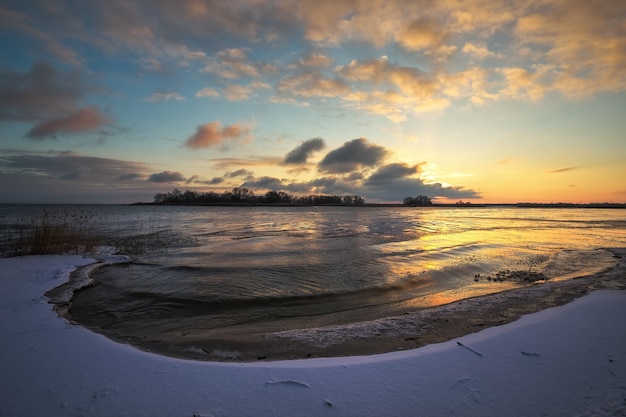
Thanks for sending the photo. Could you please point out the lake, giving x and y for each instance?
(263, 269)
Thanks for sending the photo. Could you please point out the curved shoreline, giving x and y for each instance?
(411, 330)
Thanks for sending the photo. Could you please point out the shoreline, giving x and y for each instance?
(395, 205)
(563, 361)
(412, 330)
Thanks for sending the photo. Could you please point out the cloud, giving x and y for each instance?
(372, 70)
(265, 183)
(398, 90)
(160, 96)
(423, 34)
(234, 63)
(313, 61)
(478, 51)
(80, 121)
(29, 27)
(394, 182)
(239, 173)
(40, 93)
(215, 181)
(415, 186)
(557, 171)
(352, 156)
(312, 84)
(166, 176)
(393, 171)
(51, 99)
(212, 134)
(393, 188)
(301, 154)
(128, 177)
(237, 163)
(69, 165)
(583, 41)
(235, 92)
(207, 92)
(520, 83)
(192, 179)
(69, 177)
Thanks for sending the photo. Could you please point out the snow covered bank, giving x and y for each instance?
(565, 361)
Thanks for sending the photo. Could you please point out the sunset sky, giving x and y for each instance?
(485, 101)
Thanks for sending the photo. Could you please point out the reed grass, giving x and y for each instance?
(80, 232)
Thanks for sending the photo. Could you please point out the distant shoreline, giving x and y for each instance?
(393, 205)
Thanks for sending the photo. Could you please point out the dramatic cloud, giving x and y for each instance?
(166, 176)
(80, 121)
(256, 58)
(395, 182)
(301, 154)
(411, 187)
(352, 156)
(393, 171)
(212, 134)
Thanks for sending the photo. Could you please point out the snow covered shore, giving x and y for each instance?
(565, 361)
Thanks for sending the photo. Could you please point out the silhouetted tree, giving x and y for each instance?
(244, 196)
(420, 200)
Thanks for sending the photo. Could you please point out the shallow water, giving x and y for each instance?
(255, 269)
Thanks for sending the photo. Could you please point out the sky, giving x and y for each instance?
(486, 101)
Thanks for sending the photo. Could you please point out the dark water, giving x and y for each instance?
(242, 269)
(256, 269)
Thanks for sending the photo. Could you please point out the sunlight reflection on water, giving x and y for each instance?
(285, 267)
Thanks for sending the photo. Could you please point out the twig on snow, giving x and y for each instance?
(469, 348)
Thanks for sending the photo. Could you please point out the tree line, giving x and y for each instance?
(420, 200)
(241, 195)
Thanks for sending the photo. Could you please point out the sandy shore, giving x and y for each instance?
(411, 330)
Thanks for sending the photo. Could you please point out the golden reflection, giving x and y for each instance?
(451, 296)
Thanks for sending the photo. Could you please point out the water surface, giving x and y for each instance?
(257, 269)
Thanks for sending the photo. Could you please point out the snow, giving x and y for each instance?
(565, 361)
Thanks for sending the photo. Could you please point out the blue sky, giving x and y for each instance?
(477, 100)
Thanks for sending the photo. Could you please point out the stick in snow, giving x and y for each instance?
(469, 348)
